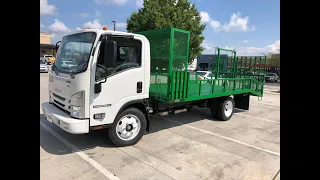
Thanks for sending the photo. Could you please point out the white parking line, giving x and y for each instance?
(266, 92)
(224, 137)
(256, 118)
(80, 153)
(267, 106)
(158, 164)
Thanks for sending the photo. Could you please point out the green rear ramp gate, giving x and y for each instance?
(171, 82)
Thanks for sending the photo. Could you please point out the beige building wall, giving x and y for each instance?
(45, 38)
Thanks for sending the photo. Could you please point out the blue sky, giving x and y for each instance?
(252, 27)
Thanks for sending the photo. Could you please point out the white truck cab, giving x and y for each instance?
(106, 87)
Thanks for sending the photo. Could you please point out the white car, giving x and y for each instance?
(271, 77)
(49, 59)
(43, 66)
(205, 75)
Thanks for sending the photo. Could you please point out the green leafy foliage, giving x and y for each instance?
(159, 14)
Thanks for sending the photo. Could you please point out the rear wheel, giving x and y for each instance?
(225, 109)
(172, 112)
(214, 109)
(189, 108)
(128, 127)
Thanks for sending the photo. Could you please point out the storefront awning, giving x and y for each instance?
(48, 46)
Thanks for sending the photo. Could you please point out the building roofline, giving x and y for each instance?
(49, 46)
(45, 32)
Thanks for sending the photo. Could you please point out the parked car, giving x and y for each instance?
(273, 77)
(43, 66)
(204, 75)
(49, 59)
(209, 75)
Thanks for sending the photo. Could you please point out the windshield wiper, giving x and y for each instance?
(69, 72)
(55, 69)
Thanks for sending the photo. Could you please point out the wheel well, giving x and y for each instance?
(216, 101)
(141, 107)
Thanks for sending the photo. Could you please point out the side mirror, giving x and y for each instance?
(110, 57)
(57, 45)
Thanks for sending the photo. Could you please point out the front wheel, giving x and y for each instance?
(128, 127)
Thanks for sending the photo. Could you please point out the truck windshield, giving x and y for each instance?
(75, 49)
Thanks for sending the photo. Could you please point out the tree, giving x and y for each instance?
(274, 59)
(158, 14)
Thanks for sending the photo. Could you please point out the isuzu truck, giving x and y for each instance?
(118, 80)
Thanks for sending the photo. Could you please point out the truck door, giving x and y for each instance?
(125, 80)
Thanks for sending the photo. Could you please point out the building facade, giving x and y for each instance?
(204, 62)
(46, 48)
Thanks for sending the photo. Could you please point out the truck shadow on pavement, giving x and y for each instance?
(99, 138)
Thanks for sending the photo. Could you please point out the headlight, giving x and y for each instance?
(77, 99)
(77, 105)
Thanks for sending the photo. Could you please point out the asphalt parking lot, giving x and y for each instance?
(188, 145)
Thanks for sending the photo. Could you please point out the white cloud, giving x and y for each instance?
(275, 47)
(92, 24)
(257, 51)
(204, 17)
(97, 13)
(139, 3)
(245, 51)
(209, 48)
(41, 25)
(236, 23)
(84, 15)
(121, 25)
(118, 2)
(59, 27)
(77, 28)
(245, 41)
(214, 24)
(45, 8)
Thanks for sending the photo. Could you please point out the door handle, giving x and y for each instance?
(139, 87)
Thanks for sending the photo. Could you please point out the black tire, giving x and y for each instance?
(113, 131)
(214, 109)
(222, 115)
(189, 109)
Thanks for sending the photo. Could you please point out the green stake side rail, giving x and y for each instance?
(170, 81)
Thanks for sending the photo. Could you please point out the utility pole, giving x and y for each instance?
(114, 25)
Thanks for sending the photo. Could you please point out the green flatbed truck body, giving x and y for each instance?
(171, 82)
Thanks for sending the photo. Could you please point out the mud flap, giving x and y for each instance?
(242, 101)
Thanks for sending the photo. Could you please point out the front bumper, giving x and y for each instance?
(64, 121)
(44, 70)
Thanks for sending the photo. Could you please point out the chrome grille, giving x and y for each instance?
(61, 102)
(59, 97)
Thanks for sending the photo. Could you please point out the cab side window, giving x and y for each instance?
(128, 57)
